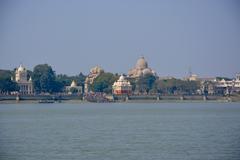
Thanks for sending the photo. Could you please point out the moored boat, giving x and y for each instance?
(46, 101)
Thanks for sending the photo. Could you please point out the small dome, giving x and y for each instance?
(121, 78)
(21, 68)
(73, 84)
(141, 63)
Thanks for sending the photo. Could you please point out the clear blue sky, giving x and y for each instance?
(75, 35)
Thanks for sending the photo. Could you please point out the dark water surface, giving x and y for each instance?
(182, 131)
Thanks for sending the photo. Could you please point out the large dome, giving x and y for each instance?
(141, 69)
(141, 63)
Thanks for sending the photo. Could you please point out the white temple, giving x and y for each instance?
(70, 89)
(122, 86)
(25, 85)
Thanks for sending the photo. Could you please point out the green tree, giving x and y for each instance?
(4, 74)
(189, 87)
(80, 78)
(7, 85)
(29, 74)
(66, 80)
(104, 82)
(176, 86)
(44, 79)
(145, 83)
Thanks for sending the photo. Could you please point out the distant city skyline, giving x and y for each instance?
(74, 36)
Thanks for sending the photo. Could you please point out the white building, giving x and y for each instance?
(224, 83)
(25, 85)
(230, 86)
(74, 88)
(237, 83)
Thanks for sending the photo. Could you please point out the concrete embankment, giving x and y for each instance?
(170, 98)
(39, 97)
(132, 98)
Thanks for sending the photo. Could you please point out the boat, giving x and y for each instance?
(46, 101)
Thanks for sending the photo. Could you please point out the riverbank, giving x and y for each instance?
(122, 99)
(125, 102)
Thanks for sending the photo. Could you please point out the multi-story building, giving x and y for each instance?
(237, 83)
(228, 86)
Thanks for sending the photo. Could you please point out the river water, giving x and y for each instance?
(124, 131)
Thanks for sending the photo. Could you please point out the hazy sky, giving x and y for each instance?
(75, 35)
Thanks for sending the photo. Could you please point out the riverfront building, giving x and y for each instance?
(25, 85)
(122, 86)
(225, 86)
(237, 83)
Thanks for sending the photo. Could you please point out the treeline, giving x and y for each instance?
(45, 80)
(148, 84)
(6, 84)
(175, 86)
